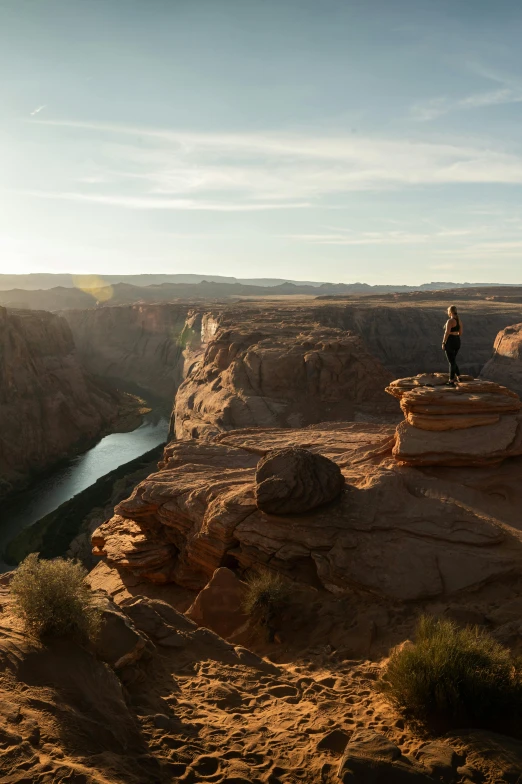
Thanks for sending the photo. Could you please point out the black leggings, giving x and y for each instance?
(452, 349)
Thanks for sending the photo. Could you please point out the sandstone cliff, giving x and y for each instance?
(140, 344)
(475, 423)
(147, 343)
(49, 407)
(271, 368)
(396, 532)
(406, 337)
(505, 366)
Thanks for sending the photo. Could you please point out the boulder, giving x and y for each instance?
(475, 423)
(441, 760)
(505, 366)
(295, 480)
(219, 605)
(395, 531)
(499, 754)
(371, 758)
(118, 642)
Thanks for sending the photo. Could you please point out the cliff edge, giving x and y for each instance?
(49, 406)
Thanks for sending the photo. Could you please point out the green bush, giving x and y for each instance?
(265, 599)
(454, 676)
(53, 598)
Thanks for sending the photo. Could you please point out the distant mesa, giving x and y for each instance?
(64, 291)
(476, 423)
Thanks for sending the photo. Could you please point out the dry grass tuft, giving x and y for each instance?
(454, 676)
(54, 600)
(266, 598)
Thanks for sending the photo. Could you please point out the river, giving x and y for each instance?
(48, 492)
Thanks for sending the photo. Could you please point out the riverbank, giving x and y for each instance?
(72, 477)
(131, 410)
(53, 534)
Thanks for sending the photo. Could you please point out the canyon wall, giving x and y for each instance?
(49, 406)
(154, 345)
(407, 338)
(141, 344)
(278, 368)
(505, 366)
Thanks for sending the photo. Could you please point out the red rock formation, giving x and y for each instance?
(295, 480)
(150, 344)
(141, 344)
(49, 407)
(394, 531)
(505, 366)
(278, 370)
(475, 423)
(219, 606)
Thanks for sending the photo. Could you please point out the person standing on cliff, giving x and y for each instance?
(451, 344)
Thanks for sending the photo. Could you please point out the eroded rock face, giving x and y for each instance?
(219, 606)
(271, 369)
(142, 343)
(395, 531)
(295, 480)
(505, 366)
(475, 423)
(49, 406)
(371, 758)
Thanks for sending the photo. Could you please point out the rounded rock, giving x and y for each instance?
(295, 480)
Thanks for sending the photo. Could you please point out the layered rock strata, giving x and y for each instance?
(154, 344)
(277, 374)
(393, 531)
(475, 423)
(147, 345)
(49, 406)
(295, 480)
(505, 366)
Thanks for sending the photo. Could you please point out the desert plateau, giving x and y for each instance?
(260, 392)
(300, 454)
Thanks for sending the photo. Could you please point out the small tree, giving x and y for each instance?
(453, 675)
(265, 598)
(53, 598)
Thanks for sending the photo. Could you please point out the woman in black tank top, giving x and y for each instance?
(451, 343)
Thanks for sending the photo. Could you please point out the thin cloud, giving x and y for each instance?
(365, 238)
(487, 238)
(38, 110)
(437, 107)
(144, 203)
(155, 169)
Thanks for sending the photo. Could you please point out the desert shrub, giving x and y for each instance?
(53, 598)
(454, 676)
(266, 597)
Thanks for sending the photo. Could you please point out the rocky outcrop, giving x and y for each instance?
(49, 407)
(141, 344)
(505, 366)
(219, 606)
(155, 344)
(295, 480)
(277, 370)
(370, 758)
(406, 335)
(393, 531)
(475, 423)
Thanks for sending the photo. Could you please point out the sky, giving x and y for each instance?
(376, 141)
